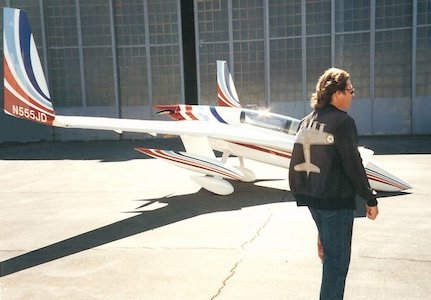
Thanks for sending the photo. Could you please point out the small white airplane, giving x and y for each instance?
(256, 135)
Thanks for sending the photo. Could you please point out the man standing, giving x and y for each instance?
(326, 173)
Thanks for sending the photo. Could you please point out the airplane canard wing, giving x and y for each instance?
(194, 162)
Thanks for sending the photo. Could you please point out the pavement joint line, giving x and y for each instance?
(244, 248)
(396, 258)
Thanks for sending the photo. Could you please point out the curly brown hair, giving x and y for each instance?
(332, 80)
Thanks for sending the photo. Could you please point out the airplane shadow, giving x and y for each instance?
(391, 194)
(103, 150)
(178, 208)
(361, 210)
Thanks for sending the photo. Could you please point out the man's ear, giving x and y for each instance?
(336, 94)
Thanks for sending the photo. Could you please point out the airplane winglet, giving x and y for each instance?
(26, 93)
(226, 91)
(366, 155)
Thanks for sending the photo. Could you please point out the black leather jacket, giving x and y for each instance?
(326, 170)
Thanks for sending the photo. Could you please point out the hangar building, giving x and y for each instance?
(118, 58)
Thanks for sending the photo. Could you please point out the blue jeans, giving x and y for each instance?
(335, 230)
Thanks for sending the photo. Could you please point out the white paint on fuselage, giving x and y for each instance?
(265, 155)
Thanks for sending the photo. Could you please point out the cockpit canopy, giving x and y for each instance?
(270, 121)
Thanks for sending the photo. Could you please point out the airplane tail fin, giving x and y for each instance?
(226, 91)
(26, 93)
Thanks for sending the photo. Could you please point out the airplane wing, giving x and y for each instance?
(240, 134)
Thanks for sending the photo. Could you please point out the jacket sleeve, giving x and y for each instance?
(346, 142)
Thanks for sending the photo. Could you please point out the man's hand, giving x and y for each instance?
(372, 212)
(320, 249)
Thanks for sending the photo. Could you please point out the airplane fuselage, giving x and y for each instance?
(280, 128)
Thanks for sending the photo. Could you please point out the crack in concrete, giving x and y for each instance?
(224, 283)
(244, 247)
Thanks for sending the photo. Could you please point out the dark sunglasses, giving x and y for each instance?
(352, 90)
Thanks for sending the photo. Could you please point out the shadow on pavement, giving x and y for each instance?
(178, 208)
(105, 151)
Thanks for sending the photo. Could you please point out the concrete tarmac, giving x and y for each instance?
(98, 220)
